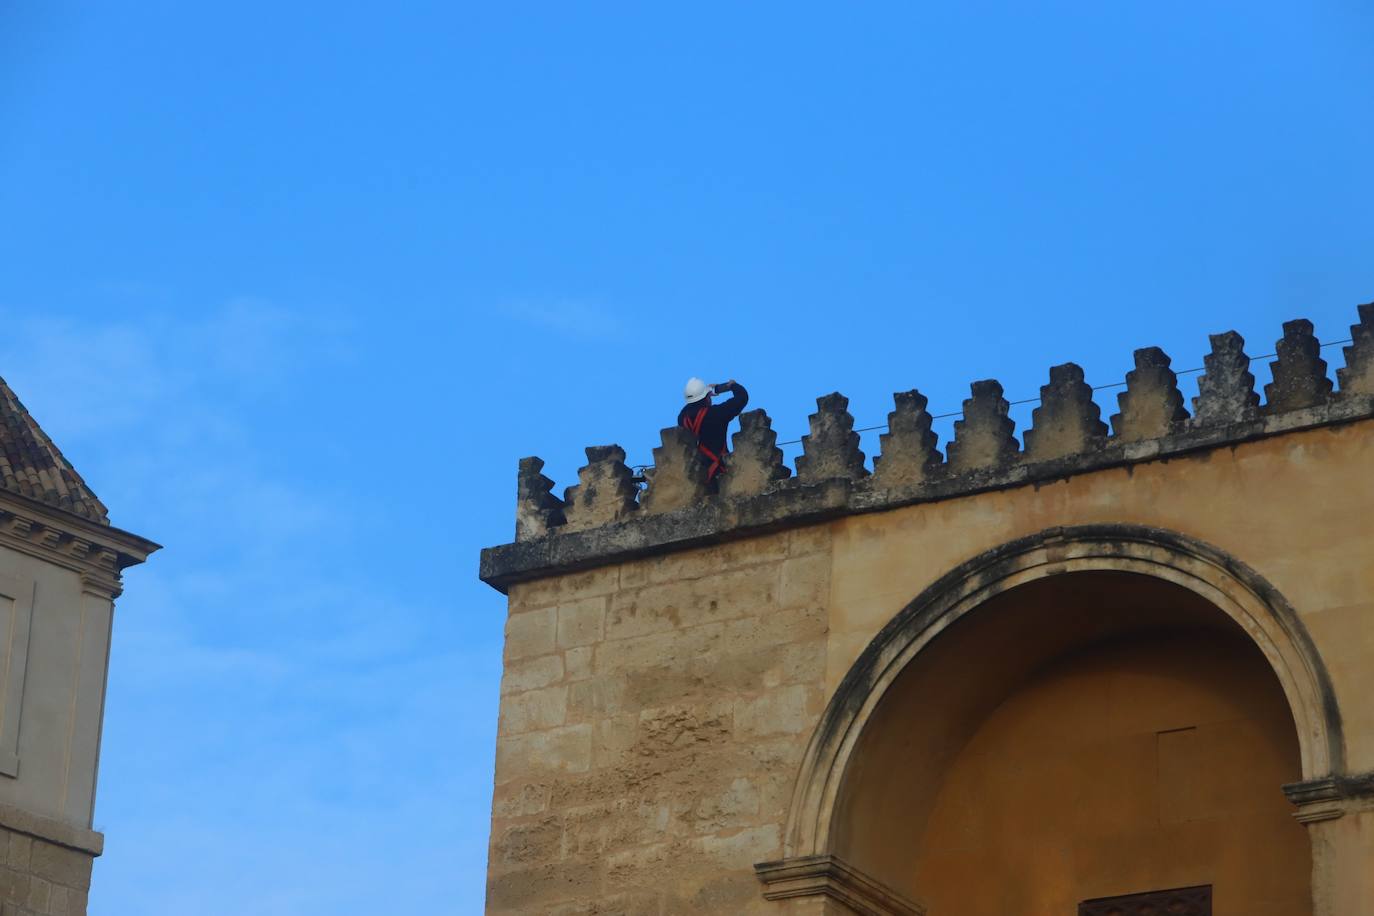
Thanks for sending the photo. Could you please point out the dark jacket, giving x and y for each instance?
(717, 420)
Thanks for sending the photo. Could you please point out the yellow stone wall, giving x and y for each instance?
(654, 714)
(652, 717)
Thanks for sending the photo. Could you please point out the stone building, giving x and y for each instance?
(1103, 671)
(60, 563)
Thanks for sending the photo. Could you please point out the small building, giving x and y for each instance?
(1103, 671)
(60, 564)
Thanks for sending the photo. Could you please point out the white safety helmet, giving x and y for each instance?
(696, 390)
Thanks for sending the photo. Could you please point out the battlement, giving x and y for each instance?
(605, 518)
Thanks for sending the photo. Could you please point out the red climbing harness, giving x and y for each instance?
(693, 424)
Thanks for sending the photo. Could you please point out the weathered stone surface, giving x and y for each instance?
(755, 461)
(537, 510)
(40, 891)
(1226, 389)
(605, 492)
(544, 753)
(517, 800)
(1151, 406)
(708, 562)
(678, 477)
(61, 865)
(530, 595)
(531, 633)
(1068, 420)
(40, 874)
(529, 841)
(1357, 377)
(983, 438)
(1300, 378)
(782, 711)
(831, 450)
(908, 447)
(531, 673)
(581, 622)
(672, 605)
(534, 710)
(63, 902)
(578, 662)
(755, 844)
(14, 886)
(530, 889)
(805, 581)
(661, 763)
(20, 848)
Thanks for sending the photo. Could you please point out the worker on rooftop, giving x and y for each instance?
(709, 422)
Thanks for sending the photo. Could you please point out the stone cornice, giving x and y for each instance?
(1331, 797)
(829, 876)
(791, 502)
(54, 831)
(96, 552)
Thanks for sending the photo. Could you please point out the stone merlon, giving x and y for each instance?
(605, 520)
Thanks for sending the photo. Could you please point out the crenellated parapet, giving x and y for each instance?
(537, 510)
(1151, 406)
(605, 517)
(1226, 390)
(1299, 372)
(678, 478)
(908, 448)
(605, 492)
(1358, 375)
(983, 438)
(1068, 420)
(755, 462)
(831, 450)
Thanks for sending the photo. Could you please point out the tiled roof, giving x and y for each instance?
(32, 466)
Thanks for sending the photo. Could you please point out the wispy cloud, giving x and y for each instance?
(111, 376)
(580, 320)
(262, 680)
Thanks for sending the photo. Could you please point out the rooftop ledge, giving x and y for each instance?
(604, 519)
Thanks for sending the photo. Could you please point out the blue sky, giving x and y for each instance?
(296, 285)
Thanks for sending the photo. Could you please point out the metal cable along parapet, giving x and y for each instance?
(1066, 436)
(640, 469)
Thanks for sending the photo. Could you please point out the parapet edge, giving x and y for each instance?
(790, 502)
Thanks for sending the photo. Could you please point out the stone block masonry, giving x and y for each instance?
(40, 877)
(651, 728)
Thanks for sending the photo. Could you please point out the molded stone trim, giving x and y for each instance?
(97, 552)
(1329, 798)
(829, 876)
(90, 842)
(1232, 586)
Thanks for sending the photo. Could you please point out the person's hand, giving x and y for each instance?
(724, 386)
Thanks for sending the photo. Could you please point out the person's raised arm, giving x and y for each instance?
(739, 397)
